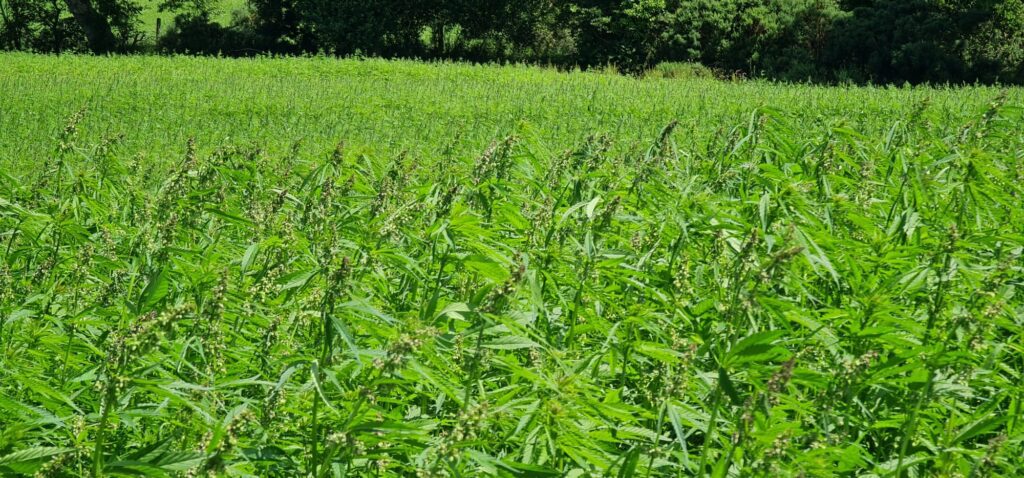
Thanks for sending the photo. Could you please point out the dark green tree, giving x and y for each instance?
(99, 26)
(629, 34)
(925, 40)
(37, 26)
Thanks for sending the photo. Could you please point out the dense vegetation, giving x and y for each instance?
(877, 41)
(308, 267)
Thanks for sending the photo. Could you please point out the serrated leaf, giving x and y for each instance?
(511, 342)
(28, 460)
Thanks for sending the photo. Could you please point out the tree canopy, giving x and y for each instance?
(818, 40)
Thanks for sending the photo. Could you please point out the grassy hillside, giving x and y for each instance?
(311, 267)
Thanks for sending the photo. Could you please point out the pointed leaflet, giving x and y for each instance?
(758, 347)
(250, 255)
(154, 292)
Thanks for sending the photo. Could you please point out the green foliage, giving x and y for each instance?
(46, 26)
(377, 27)
(736, 280)
(37, 26)
(912, 40)
(929, 40)
(997, 46)
(491, 30)
(624, 33)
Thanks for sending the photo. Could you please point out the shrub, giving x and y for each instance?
(679, 70)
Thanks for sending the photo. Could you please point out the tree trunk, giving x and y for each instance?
(96, 27)
(439, 38)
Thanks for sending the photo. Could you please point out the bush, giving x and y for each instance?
(679, 70)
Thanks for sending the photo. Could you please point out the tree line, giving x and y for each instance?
(882, 41)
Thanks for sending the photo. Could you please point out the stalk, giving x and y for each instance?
(709, 435)
(335, 281)
(97, 454)
(325, 356)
